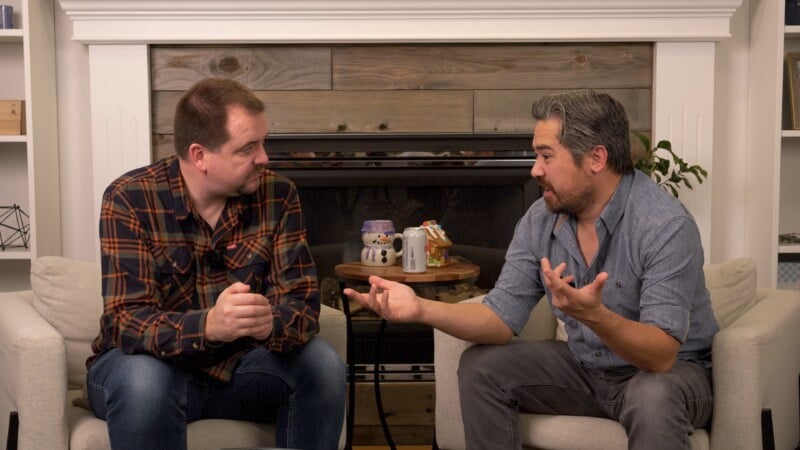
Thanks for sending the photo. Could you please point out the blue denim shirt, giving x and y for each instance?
(650, 246)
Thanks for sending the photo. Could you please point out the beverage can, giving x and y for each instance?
(414, 258)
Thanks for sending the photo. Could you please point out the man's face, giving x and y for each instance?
(566, 186)
(235, 168)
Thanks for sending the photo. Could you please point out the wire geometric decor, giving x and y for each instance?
(15, 227)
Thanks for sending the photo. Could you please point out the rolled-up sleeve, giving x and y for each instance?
(674, 265)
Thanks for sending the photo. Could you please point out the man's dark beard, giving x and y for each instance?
(587, 200)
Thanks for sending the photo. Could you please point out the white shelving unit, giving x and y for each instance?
(789, 163)
(772, 198)
(29, 163)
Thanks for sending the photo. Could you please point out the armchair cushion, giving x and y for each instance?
(732, 287)
(67, 293)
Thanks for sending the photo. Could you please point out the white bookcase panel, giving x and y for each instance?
(29, 163)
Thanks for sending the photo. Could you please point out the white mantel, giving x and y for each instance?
(157, 21)
(118, 33)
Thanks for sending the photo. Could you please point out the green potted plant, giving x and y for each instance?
(666, 168)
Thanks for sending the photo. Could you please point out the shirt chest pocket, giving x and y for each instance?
(248, 262)
(174, 272)
(622, 295)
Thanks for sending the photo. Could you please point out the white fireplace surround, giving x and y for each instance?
(119, 32)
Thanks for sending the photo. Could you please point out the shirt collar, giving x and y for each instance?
(615, 208)
(182, 204)
(180, 196)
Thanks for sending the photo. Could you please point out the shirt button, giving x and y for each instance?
(163, 353)
(598, 354)
(175, 265)
(250, 255)
(195, 345)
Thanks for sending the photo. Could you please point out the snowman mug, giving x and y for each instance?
(378, 237)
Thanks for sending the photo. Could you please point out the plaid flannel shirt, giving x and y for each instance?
(164, 267)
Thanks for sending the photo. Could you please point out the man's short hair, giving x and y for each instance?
(201, 113)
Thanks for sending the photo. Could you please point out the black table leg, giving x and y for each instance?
(376, 382)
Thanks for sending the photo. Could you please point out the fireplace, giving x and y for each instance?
(118, 35)
(476, 186)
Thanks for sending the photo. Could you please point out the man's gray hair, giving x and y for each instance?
(588, 119)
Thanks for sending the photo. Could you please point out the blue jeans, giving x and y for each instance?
(147, 402)
(657, 410)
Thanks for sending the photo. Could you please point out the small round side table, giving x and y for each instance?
(355, 273)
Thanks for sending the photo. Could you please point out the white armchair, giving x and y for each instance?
(756, 358)
(45, 337)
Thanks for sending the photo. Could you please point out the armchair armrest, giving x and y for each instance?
(33, 374)
(756, 366)
(447, 352)
(333, 328)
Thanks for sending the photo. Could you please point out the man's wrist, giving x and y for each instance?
(208, 330)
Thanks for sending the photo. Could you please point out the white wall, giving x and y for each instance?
(79, 228)
(730, 132)
(728, 180)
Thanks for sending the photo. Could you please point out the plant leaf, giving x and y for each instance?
(670, 172)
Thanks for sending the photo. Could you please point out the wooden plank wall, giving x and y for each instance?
(418, 88)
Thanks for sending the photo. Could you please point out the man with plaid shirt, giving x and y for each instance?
(210, 291)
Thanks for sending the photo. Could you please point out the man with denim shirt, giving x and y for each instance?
(210, 292)
(620, 261)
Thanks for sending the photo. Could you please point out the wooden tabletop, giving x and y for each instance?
(454, 272)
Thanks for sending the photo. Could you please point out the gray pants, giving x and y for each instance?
(496, 382)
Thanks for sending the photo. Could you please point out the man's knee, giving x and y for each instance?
(323, 367)
(477, 363)
(651, 390)
(150, 379)
(138, 383)
(324, 358)
(653, 399)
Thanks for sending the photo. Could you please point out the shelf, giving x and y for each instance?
(12, 35)
(787, 249)
(13, 138)
(15, 254)
(790, 133)
(791, 143)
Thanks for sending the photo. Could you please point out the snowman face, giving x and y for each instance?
(382, 239)
(377, 239)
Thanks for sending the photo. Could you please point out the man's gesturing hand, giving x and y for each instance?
(582, 303)
(239, 313)
(395, 302)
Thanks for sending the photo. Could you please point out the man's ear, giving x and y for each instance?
(599, 158)
(197, 157)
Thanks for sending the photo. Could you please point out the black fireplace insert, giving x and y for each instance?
(476, 186)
